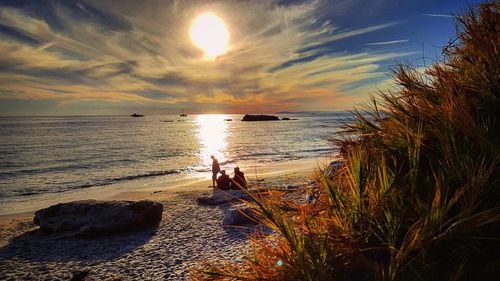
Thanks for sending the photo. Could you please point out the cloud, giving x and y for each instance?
(388, 42)
(438, 15)
(120, 51)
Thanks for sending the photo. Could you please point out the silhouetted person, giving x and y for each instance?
(224, 181)
(239, 180)
(215, 170)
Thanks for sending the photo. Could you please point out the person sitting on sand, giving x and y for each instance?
(239, 180)
(224, 181)
(215, 170)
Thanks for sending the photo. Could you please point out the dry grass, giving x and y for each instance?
(418, 197)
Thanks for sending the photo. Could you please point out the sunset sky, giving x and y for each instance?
(118, 57)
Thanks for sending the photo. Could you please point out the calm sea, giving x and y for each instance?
(57, 154)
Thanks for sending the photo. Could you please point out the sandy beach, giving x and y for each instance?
(187, 234)
(308, 140)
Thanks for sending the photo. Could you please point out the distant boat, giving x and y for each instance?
(228, 119)
(137, 115)
(183, 114)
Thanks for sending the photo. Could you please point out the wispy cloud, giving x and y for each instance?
(115, 51)
(438, 15)
(388, 42)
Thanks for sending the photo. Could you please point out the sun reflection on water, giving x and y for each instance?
(212, 134)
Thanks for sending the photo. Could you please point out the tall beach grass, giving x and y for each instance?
(417, 196)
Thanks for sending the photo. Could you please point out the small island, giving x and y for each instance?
(260, 117)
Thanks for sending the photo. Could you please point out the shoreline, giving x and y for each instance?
(153, 189)
(149, 188)
(188, 233)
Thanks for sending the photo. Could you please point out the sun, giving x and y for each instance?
(209, 33)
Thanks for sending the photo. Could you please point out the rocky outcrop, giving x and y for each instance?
(92, 217)
(249, 117)
(238, 216)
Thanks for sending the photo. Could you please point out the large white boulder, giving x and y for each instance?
(92, 217)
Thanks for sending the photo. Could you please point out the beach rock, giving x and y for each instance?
(249, 117)
(92, 217)
(238, 216)
(79, 275)
(333, 167)
(219, 197)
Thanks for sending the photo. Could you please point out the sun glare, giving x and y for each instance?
(212, 134)
(209, 33)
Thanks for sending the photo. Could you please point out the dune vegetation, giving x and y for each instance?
(417, 196)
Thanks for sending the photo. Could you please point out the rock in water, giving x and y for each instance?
(92, 217)
(238, 216)
(249, 117)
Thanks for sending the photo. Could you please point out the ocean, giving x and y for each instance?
(40, 155)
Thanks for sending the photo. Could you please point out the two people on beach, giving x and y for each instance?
(224, 182)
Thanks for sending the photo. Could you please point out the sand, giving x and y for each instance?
(188, 233)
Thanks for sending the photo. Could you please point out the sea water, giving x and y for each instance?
(40, 155)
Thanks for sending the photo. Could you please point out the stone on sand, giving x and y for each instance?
(219, 197)
(92, 217)
(333, 167)
(239, 215)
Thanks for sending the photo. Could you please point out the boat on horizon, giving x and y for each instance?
(137, 115)
(183, 114)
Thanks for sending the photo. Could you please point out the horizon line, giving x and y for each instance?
(156, 114)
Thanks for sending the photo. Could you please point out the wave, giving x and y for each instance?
(29, 193)
(203, 169)
(258, 154)
(330, 149)
(43, 170)
(151, 174)
(103, 182)
(227, 162)
(128, 178)
(63, 168)
(288, 154)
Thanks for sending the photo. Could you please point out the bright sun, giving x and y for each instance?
(210, 34)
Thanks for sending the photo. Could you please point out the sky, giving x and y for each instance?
(116, 57)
